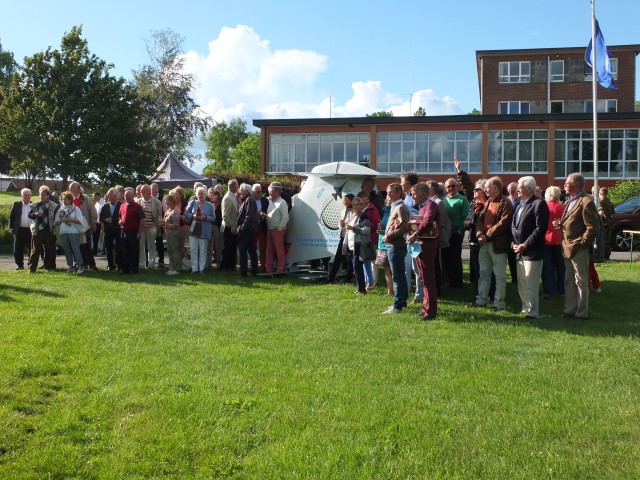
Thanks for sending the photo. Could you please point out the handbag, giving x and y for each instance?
(195, 228)
(83, 226)
(367, 252)
(381, 257)
(432, 232)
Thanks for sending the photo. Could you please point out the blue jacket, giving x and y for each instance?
(206, 225)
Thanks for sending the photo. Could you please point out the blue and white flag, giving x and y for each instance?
(603, 65)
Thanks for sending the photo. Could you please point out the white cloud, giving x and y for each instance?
(243, 76)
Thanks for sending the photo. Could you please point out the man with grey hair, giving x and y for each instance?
(579, 225)
(155, 193)
(109, 217)
(528, 230)
(86, 206)
(493, 232)
(262, 204)
(248, 221)
(42, 217)
(19, 227)
(229, 227)
(436, 193)
(277, 217)
(153, 214)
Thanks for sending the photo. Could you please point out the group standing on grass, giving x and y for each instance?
(415, 233)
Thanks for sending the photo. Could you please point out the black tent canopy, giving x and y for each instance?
(172, 172)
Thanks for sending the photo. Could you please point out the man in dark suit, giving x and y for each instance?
(20, 227)
(528, 229)
(261, 232)
(109, 217)
(579, 228)
(156, 193)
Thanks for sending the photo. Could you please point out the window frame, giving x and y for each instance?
(512, 103)
(552, 75)
(510, 76)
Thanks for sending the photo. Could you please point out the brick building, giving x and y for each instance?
(535, 121)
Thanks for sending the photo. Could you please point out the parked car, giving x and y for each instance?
(626, 217)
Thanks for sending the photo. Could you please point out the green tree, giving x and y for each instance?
(380, 113)
(246, 156)
(170, 112)
(637, 106)
(65, 116)
(475, 111)
(420, 112)
(221, 140)
(8, 67)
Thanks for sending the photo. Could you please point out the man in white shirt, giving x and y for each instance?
(19, 227)
(153, 213)
(277, 218)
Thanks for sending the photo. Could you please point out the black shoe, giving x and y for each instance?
(426, 318)
(19, 267)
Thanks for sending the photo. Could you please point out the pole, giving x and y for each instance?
(594, 92)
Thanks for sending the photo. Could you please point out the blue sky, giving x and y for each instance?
(260, 59)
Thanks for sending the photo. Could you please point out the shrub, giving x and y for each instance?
(623, 190)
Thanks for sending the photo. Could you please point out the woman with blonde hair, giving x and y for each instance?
(553, 263)
(67, 217)
(171, 223)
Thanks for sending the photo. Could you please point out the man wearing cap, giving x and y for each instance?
(277, 217)
(426, 259)
(42, 217)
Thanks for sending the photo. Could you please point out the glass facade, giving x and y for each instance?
(617, 153)
(518, 151)
(428, 152)
(302, 151)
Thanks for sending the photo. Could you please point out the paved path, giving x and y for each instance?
(7, 263)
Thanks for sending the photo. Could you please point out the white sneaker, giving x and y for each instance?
(80, 270)
(391, 309)
(172, 272)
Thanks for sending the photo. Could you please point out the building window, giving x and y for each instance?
(556, 70)
(557, 106)
(513, 108)
(514, 72)
(604, 106)
(428, 152)
(617, 153)
(299, 153)
(613, 65)
(521, 151)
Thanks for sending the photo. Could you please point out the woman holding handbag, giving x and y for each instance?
(201, 215)
(358, 231)
(69, 220)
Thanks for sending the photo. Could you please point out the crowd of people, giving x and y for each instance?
(129, 226)
(413, 231)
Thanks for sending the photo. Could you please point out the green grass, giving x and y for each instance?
(7, 198)
(106, 376)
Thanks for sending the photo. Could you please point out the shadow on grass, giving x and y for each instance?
(612, 313)
(7, 292)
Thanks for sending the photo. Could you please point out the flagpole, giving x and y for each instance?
(594, 94)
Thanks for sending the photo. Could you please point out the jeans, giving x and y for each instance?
(396, 255)
(368, 274)
(198, 252)
(553, 270)
(358, 268)
(71, 246)
(496, 263)
(452, 256)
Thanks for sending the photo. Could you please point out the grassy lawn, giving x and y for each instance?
(7, 198)
(106, 376)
